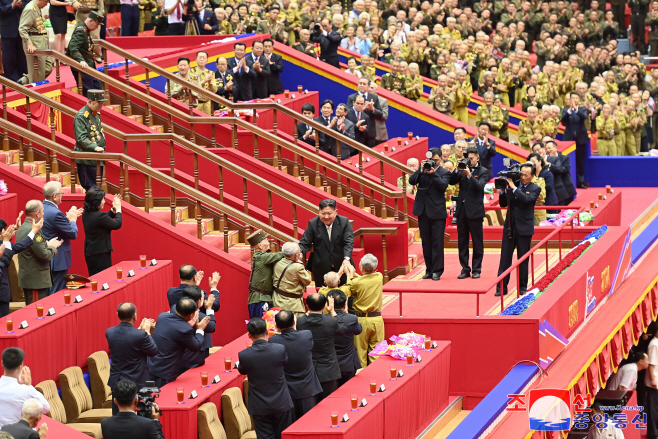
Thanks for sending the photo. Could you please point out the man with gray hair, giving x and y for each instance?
(58, 224)
(290, 280)
(30, 417)
(34, 263)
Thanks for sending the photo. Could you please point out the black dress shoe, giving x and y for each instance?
(523, 290)
(427, 276)
(436, 276)
(498, 291)
(476, 275)
(464, 275)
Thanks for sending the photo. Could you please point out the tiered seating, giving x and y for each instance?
(99, 374)
(49, 390)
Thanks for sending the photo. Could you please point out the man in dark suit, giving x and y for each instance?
(173, 335)
(30, 417)
(573, 119)
(58, 224)
(305, 132)
(242, 72)
(190, 276)
(257, 61)
(430, 208)
(129, 349)
(486, 147)
(126, 424)
(332, 240)
(469, 212)
(205, 18)
(223, 79)
(560, 166)
(303, 383)
(196, 358)
(519, 225)
(269, 399)
(325, 328)
(541, 170)
(371, 108)
(329, 41)
(274, 85)
(361, 122)
(8, 253)
(14, 61)
(348, 359)
(339, 123)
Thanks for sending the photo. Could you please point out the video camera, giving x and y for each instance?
(513, 172)
(146, 398)
(191, 12)
(429, 163)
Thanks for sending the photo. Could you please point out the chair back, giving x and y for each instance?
(209, 425)
(235, 415)
(75, 394)
(49, 390)
(99, 375)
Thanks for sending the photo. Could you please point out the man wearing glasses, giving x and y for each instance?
(58, 224)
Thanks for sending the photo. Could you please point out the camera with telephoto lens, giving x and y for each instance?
(463, 163)
(317, 29)
(146, 398)
(429, 163)
(513, 172)
(191, 11)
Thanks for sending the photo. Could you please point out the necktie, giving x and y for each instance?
(358, 116)
(327, 120)
(329, 232)
(178, 11)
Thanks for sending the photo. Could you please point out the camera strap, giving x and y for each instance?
(426, 188)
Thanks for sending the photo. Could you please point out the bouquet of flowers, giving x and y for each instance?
(410, 339)
(268, 316)
(401, 346)
(3, 188)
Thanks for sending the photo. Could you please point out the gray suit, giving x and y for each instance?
(380, 122)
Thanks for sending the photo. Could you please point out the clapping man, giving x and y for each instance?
(58, 224)
(361, 121)
(305, 132)
(242, 73)
(274, 85)
(16, 387)
(197, 357)
(573, 119)
(189, 276)
(371, 107)
(348, 358)
(26, 428)
(261, 66)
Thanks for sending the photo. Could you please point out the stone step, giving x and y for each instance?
(137, 118)
(9, 157)
(216, 238)
(164, 213)
(63, 177)
(190, 226)
(32, 169)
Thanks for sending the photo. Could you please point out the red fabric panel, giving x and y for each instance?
(646, 311)
(654, 301)
(593, 377)
(627, 336)
(179, 421)
(637, 326)
(57, 430)
(580, 388)
(616, 349)
(38, 111)
(9, 207)
(604, 364)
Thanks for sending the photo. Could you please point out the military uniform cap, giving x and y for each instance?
(75, 281)
(256, 238)
(96, 16)
(96, 95)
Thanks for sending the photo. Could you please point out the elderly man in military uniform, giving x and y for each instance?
(81, 49)
(262, 270)
(304, 45)
(83, 10)
(206, 80)
(395, 81)
(442, 99)
(178, 90)
(32, 30)
(290, 280)
(530, 129)
(89, 136)
(34, 262)
(605, 127)
(490, 114)
(414, 83)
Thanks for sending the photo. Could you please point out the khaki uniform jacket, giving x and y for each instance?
(394, 82)
(410, 188)
(368, 72)
(203, 104)
(368, 291)
(294, 281)
(414, 94)
(605, 127)
(178, 91)
(495, 116)
(262, 270)
(527, 131)
(31, 23)
(442, 104)
(34, 262)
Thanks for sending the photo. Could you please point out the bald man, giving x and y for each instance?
(58, 224)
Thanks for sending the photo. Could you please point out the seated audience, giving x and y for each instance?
(126, 424)
(290, 279)
(26, 428)
(16, 387)
(98, 229)
(348, 359)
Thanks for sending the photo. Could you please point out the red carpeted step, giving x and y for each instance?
(416, 252)
(63, 177)
(164, 213)
(216, 238)
(190, 226)
(9, 157)
(413, 235)
(241, 251)
(32, 169)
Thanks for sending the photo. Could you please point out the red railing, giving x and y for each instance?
(531, 254)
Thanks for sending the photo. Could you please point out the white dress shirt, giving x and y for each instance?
(626, 376)
(177, 15)
(12, 397)
(236, 68)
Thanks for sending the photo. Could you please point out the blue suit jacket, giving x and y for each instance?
(56, 225)
(10, 18)
(129, 349)
(175, 293)
(574, 125)
(5, 261)
(210, 328)
(348, 360)
(173, 336)
(300, 374)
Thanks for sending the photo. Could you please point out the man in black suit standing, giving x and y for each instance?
(173, 335)
(332, 240)
(469, 212)
(274, 85)
(305, 132)
(30, 417)
(206, 19)
(303, 383)
(361, 122)
(129, 349)
(430, 208)
(14, 61)
(242, 72)
(329, 41)
(339, 123)
(197, 358)
(269, 399)
(372, 108)
(519, 225)
(190, 276)
(261, 66)
(573, 119)
(486, 147)
(126, 424)
(560, 166)
(348, 359)
(325, 328)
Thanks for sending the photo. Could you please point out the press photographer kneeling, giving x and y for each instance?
(128, 425)
(519, 195)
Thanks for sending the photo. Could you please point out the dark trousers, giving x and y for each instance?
(256, 309)
(98, 263)
(58, 281)
(638, 33)
(88, 81)
(13, 58)
(271, 426)
(432, 232)
(619, 11)
(651, 409)
(328, 387)
(581, 155)
(345, 377)
(176, 28)
(522, 245)
(87, 175)
(129, 20)
(302, 406)
(32, 295)
(4, 308)
(465, 227)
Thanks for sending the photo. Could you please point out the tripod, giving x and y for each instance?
(192, 27)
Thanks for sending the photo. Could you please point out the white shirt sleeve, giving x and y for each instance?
(653, 361)
(34, 393)
(628, 377)
(210, 312)
(200, 331)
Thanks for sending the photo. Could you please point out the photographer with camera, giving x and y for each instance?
(127, 424)
(329, 40)
(430, 208)
(519, 197)
(469, 210)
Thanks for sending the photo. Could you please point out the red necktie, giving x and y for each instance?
(178, 11)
